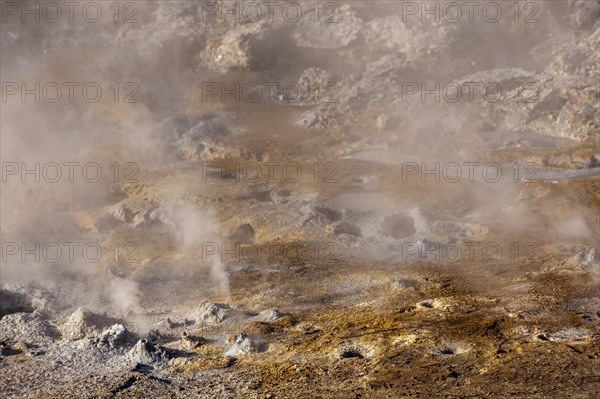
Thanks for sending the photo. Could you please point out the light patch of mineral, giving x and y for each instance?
(243, 345)
(453, 348)
(405, 339)
(270, 315)
(437, 303)
(233, 50)
(570, 334)
(585, 260)
(212, 312)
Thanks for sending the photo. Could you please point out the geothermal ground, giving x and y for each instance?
(251, 199)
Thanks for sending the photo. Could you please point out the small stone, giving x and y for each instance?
(242, 345)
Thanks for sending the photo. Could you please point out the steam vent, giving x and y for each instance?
(290, 199)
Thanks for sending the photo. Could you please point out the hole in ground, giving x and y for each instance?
(447, 351)
(351, 352)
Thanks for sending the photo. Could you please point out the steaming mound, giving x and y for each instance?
(147, 353)
(212, 313)
(82, 323)
(117, 336)
(242, 345)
